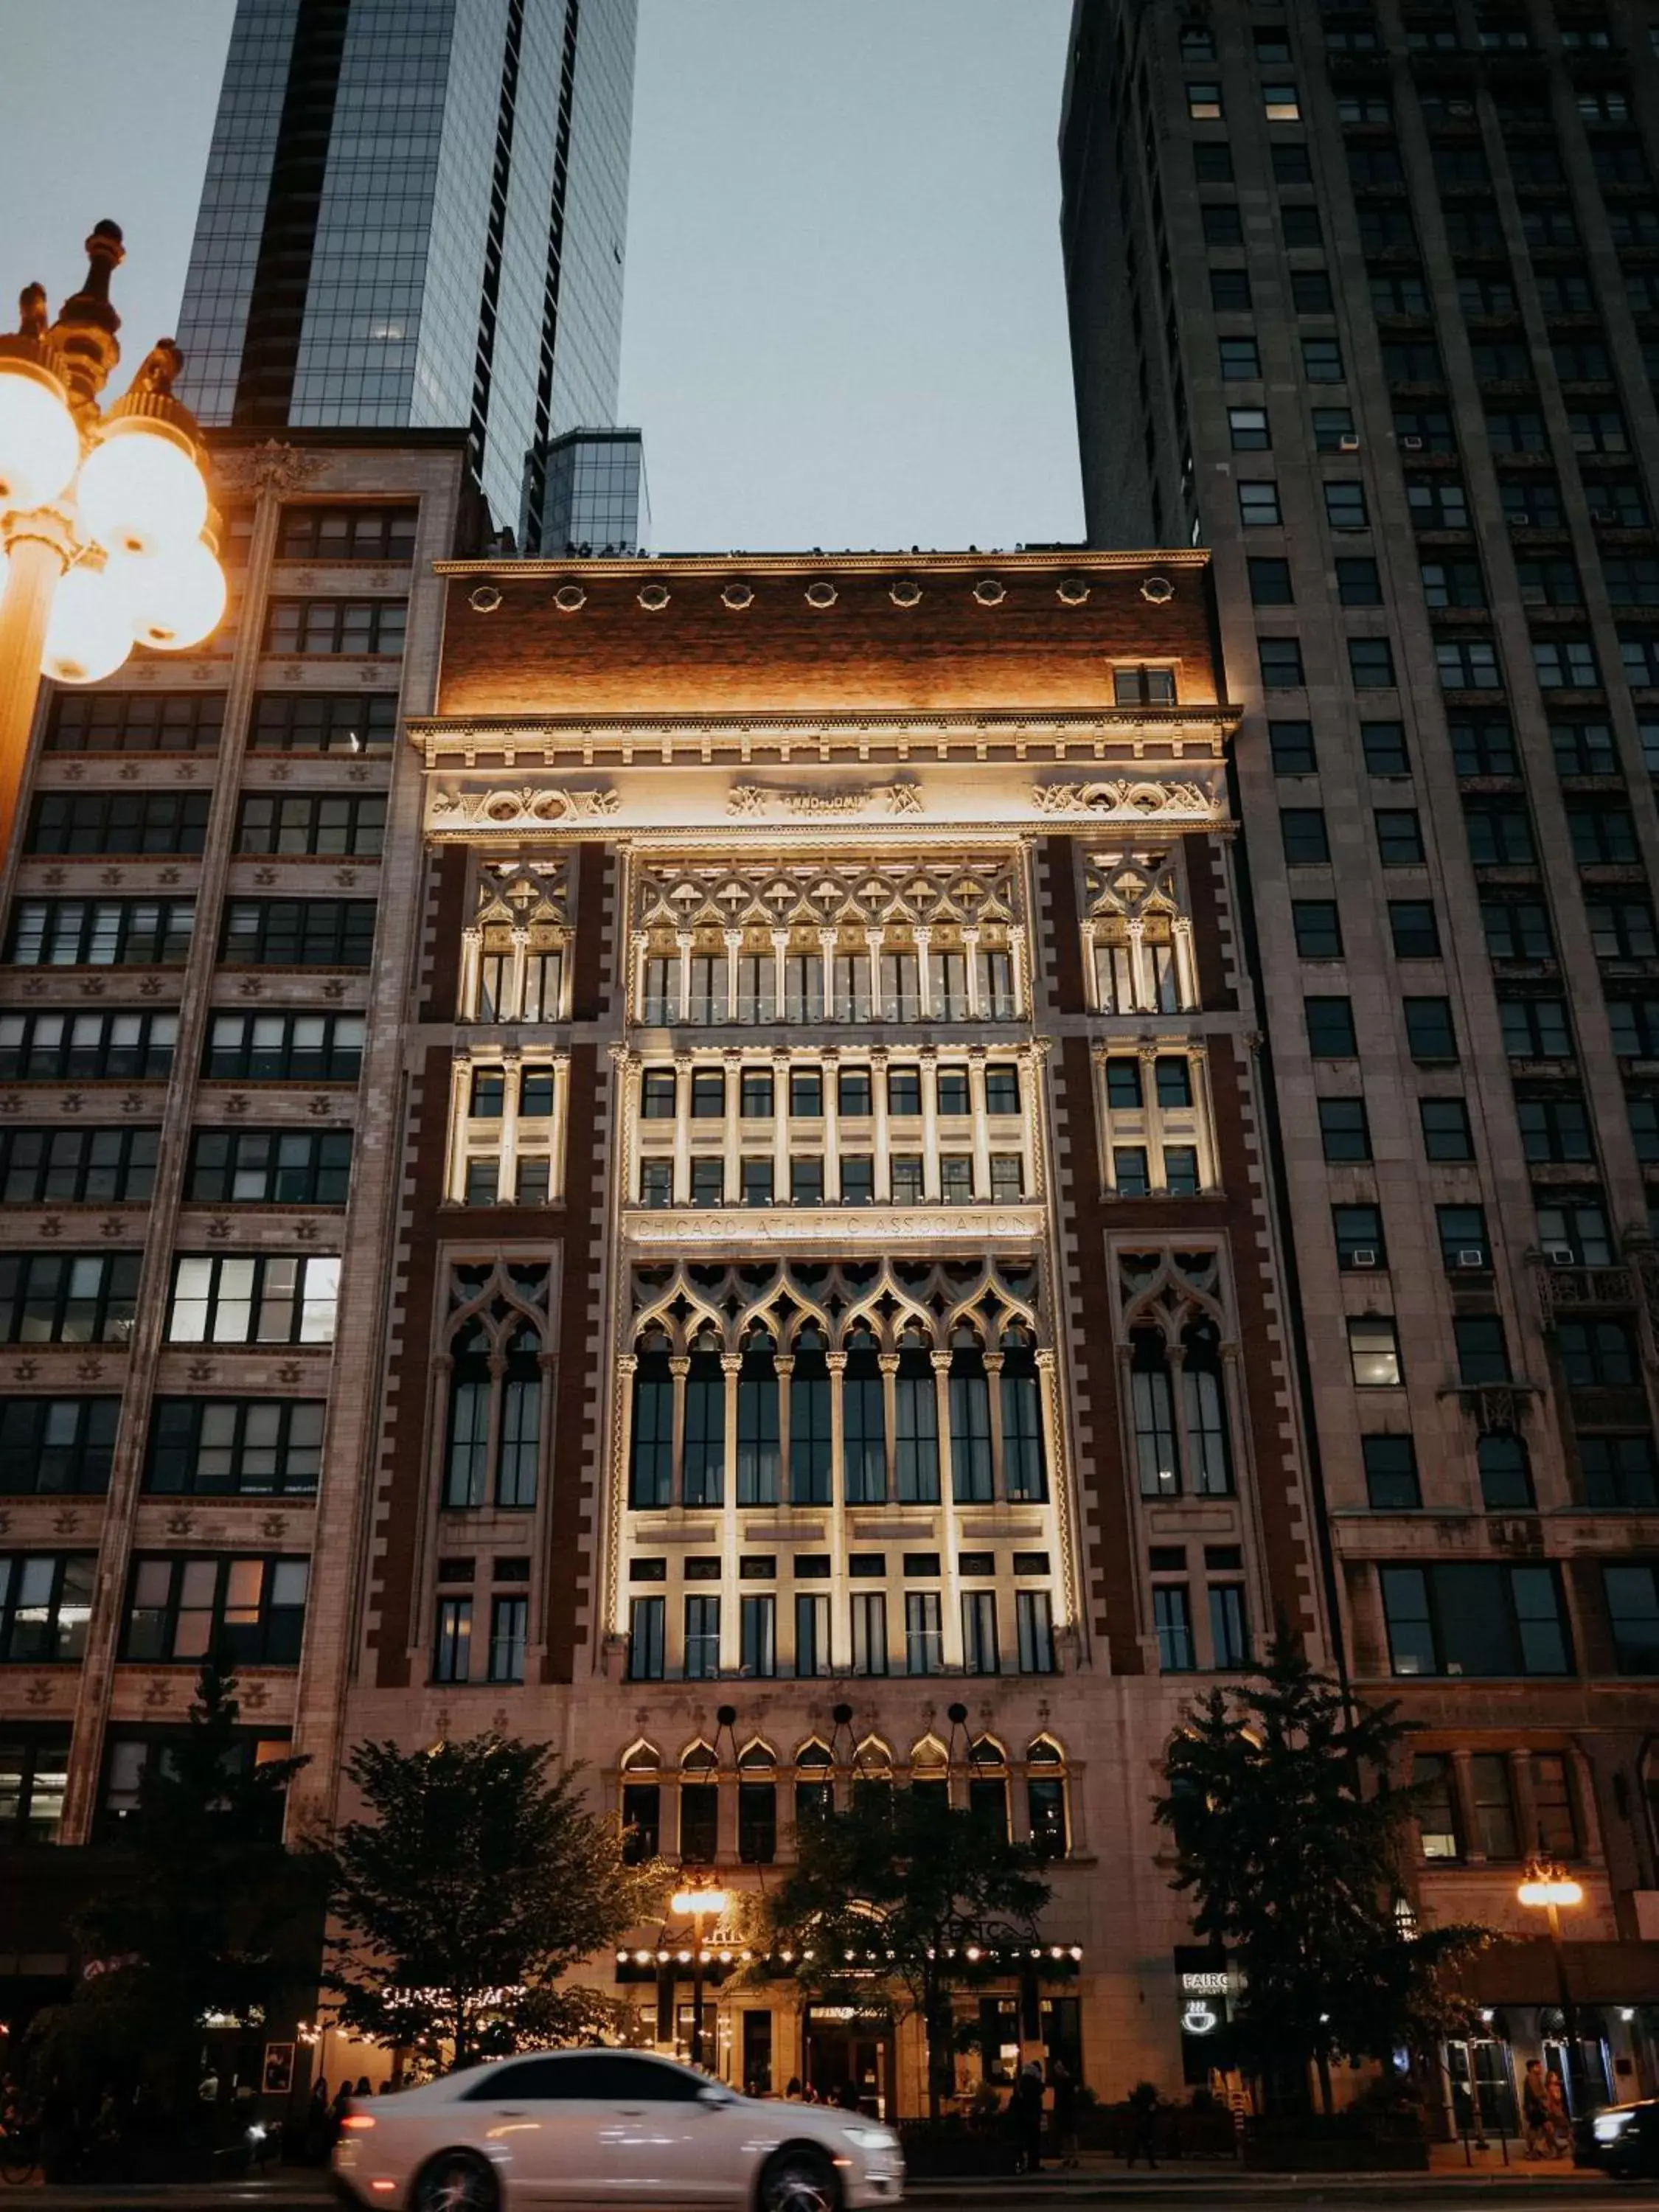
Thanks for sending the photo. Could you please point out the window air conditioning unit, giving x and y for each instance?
(1348, 442)
(1363, 1256)
(1471, 1257)
(1559, 1255)
(1412, 445)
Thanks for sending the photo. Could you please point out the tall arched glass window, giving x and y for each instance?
(1045, 1798)
(467, 1454)
(863, 1423)
(702, 1480)
(917, 1422)
(757, 1423)
(1024, 1475)
(1154, 1408)
(811, 1476)
(521, 1419)
(1204, 1401)
(971, 1477)
(651, 1477)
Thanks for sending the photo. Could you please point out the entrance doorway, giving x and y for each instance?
(851, 2047)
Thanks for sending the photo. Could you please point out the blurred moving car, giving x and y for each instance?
(578, 2128)
(1625, 2139)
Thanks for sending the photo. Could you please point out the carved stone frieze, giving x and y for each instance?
(751, 800)
(775, 894)
(1129, 798)
(528, 806)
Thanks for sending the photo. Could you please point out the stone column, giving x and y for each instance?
(472, 974)
(556, 1135)
(780, 1129)
(883, 1168)
(682, 1128)
(827, 939)
(873, 940)
(888, 1362)
(829, 1079)
(1186, 966)
(506, 1171)
(682, 1012)
(784, 1362)
(930, 1186)
(994, 1394)
(981, 1124)
(733, 1173)
(971, 962)
(924, 938)
(679, 1367)
(513, 1010)
(460, 1109)
(780, 950)
(733, 941)
(1138, 982)
(638, 943)
(1016, 970)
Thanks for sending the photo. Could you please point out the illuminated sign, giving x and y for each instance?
(1204, 1985)
(1198, 2018)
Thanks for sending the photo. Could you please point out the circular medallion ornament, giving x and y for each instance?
(1071, 591)
(990, 591)
(1157, 591)
(654, 597)
(736, 597)
(905, 593)
(483, 599)
(568, 597)
(820, 594)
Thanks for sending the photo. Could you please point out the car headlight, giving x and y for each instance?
(872, 2138)
(1610, 2125)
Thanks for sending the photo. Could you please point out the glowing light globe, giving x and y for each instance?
(174, 600)
(89, 634)
(140, 491)
(40, 444)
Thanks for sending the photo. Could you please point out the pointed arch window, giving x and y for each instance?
(1025, 1476)
(651, 1479)
(1045, 1799)
(757, 1423)
(467, 1456)
(987, 1785)
(1203, 1402)
(521, 1419)
(971, 1475)
(915, 1397)
(863, 1423)
(810, 1472)
(815, 1788)
(1153, 1406)
(703, 1476)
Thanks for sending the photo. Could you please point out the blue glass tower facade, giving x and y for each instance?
(414, 215)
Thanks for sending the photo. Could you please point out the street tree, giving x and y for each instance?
(200, 1911)
(480, 1879)
(1291, 1837)
(900, 1894)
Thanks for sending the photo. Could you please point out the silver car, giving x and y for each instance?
(579, 2129)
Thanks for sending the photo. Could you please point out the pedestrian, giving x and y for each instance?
(318, 2130)
(1534, 2110)
(1064, 2087)
(1143, 2116)
(363, 2089)
(791, 2090)
(1558, 2119)
(337, 2111)
(848, 2095)
(1028, 2110)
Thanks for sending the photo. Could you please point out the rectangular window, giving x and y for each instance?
(702, 1637)
(56, 1447)
(344, 626)
(1474, 1619)
(1358, 1233)
(645, 1617)
(184, 1606)
(451, 1641)
(135, 722)
(1370, 664)
(77, 1166)
(382, 534)
(298, 933)
(270, 1167)
(1415, 932)
(137, 823)
(1172, 1620)
(1344, 1129)
(1228, 1640)
(1292, 747)
(234, 1447)
(509, 1624)
(323, 722)
(1437, 1825)
(1446, 1133)
(812, 1656)
(980, 1651)
(1270, 583)
(1249, 429)
(1330, 1027)
(267, 1298)
(1399, 837)
(1391, 1480)
(1240, 362)
(869, 1633)
(1374, 1352)
(68, 1297)
(1482, 1354)
(1344, 504)
(757, 1625)
(1034, 1628)
(46, 1603)
(1318, 928)
(100, 932)
(1258, 504)
(1302, 828)
(1430, 1035)
(1130, 1176)
(924, 1648)
(278, 1048)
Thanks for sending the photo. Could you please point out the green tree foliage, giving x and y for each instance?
(201, 1911)
(1292, 1842)
(480, 1879)
(890, 1895)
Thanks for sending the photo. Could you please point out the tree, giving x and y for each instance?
(481, 1879)
(202, 1912)
(901, 1892)
(1292, 1838)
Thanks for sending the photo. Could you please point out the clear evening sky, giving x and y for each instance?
(845, 325)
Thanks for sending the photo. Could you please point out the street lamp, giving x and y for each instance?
(104, 529)
(1547, 1885)
(695, 1903)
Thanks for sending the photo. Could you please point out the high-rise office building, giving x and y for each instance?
(597, 500)
(415, 216)
(1366, 298)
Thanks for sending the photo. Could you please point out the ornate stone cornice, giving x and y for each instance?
(790, 1228)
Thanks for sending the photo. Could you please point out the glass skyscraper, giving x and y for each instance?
(597, 500)
(415, 216)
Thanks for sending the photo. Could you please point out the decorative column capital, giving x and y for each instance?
(731, 1363)
(835, 1362)
(940, 1361)
(888, 1361)
(679, 1364)
(626, 1362)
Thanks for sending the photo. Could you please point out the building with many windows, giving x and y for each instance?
(414, 215)
(1366, 298)
(690, 1185)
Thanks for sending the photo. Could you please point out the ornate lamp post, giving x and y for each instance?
(696, 1903)
(104, 522)
(1547, 1885)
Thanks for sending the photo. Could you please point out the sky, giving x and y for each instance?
(844, 325)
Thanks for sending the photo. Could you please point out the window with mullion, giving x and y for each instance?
(52, 1447)
(758, 1449)
(864, 1427)
(264, 1298)
(138, 822)
(46, 1603)
(68, 1297)
(298, 933)
(651, 1480)
(270, 1167)
(342, 626)
(702, 1480)
(915, 1440)
(100, 932)
(41, 1047)
(1474, 1618)
(351, 824)
(77, 1166)
(811, 1473)
(1152, 1407)
(188, 1606)
(973, 1476)
(323, 722)
(234, 1447)
(135, 721)
(284, 1048)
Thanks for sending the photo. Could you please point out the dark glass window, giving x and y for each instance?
(54, 1446)
(236, 1447)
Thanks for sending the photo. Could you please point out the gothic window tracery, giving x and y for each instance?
(1176, 1344)
(495, 1356)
